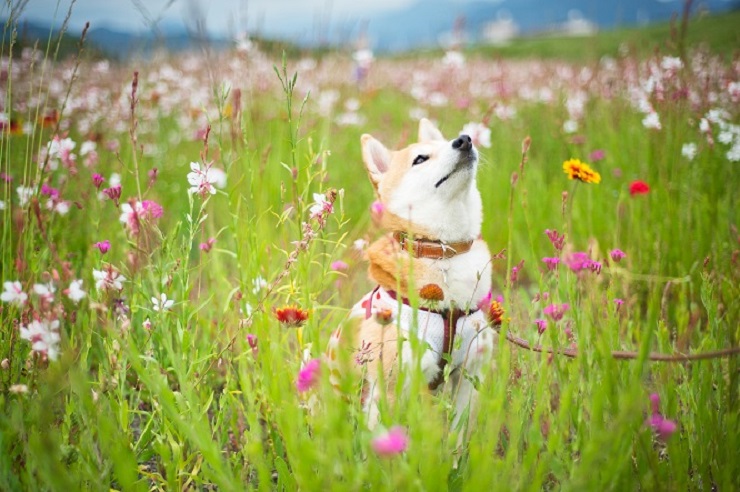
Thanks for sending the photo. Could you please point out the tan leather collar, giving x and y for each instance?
(432, 249)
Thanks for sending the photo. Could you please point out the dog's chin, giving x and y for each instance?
(465, 168)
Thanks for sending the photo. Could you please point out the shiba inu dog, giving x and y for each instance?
(432, 253)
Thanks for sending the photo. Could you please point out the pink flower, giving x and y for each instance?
(515, 271)
(308, 376)
(552, 263)
(152, 174)
(206, 247)
(393, 442)
(662, 426)
(619, 303)
(556, 311)
(376, 210)
(617, 255)
(103, 246)
(597, 155)
(541, 325)
(339, 265)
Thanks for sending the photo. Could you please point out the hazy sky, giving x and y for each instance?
(220, 15)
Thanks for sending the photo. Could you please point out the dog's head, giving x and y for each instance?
(429, 187)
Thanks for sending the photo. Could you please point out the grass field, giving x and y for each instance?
(140, 348)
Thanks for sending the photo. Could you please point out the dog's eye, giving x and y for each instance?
(419, 159)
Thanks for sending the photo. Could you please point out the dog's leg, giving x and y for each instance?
(476, 363)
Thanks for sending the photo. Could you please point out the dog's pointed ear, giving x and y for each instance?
(377, 158)
(428, 132)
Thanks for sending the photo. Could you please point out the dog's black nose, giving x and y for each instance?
(463, 142)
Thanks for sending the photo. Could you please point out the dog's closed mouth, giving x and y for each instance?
(462, 165)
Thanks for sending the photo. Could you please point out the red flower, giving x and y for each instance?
(291, 316)
(639, 188)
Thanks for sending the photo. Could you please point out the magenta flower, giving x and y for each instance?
(557, 240)
(308, 376)
(617, 255)
(113, 193)
(49, 191)
(339, 265)
(595, 266)
(541, 325)
(97, 180)
(103, 246)
(208, 245)
(152, 209)
(578, 261)
(393, 442)
(618, 302)
(556, 311)
(662, 426)
(552, 263)
(486, 301)
(252, 341)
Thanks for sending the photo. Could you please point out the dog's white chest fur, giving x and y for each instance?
(471, 331)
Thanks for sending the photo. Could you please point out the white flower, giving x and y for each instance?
(108, 279)
(671, 63)
(115, 180)
(651, 121)
(689, 150)
(364, 58)
(87, 147)
(2, 205)
(479, 133)
(453, 59)
(44, 337)
(359, 244)
(162, 303)
(24, 194)
(320, 205)
(704, 125)
(45, 291)
(147, 325)
(217, 177)
(13, 293)
(725, 137)
(258, 284)
(61, 207)
(733, 155)
(201, 181)
(129, 214)
(75, 292)
(570, 126)
(18, 389)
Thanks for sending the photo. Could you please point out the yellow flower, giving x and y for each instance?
(575, 169)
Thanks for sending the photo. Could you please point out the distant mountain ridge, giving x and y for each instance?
(422, 23)
(419, 25)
